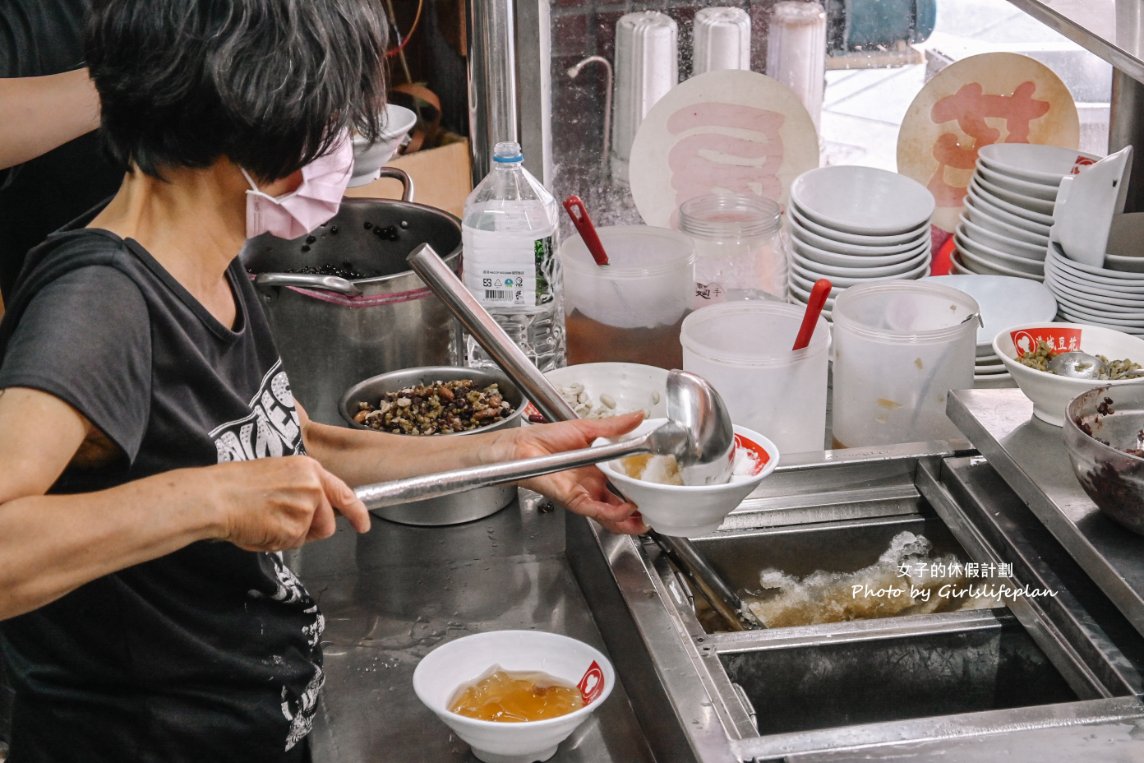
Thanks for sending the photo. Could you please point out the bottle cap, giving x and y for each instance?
(507, 152)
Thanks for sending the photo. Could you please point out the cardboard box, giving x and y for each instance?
(441, 178)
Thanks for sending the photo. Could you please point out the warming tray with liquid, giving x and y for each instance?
(1009, 680)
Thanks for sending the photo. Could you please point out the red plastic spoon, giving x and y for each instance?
(579, 214)
(818, 294)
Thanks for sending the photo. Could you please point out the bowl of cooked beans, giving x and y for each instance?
(438, 401)
(1027, 350)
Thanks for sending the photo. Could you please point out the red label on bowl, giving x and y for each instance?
(1080, 163)
(759, 455)
(591, 684)
(1060, 339)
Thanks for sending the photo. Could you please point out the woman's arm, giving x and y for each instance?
(362, 457)
(38, 114)
(50, 545)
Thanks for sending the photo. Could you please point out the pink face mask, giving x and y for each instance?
(312, 203)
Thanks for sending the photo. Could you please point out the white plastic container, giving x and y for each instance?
(744, 350)
(509, 238)
(899, 348)
(631, 309)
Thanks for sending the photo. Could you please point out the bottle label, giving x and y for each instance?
(508, 269)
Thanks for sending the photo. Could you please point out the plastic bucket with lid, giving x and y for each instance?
(629, 310)
(899, 348)
(744, 350)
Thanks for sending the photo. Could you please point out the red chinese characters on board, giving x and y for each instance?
(970, 107)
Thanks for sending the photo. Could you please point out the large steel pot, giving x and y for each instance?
(334, 331)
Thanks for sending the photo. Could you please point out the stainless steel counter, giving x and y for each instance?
(1030, 455)
(392, 595)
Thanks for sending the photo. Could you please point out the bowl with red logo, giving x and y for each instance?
(1050, 393)
(689, 510)
(540, 661)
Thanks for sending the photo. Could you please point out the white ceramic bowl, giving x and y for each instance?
(1067, 285)
(1114, 279)
(890, 239)
(631, 386)
(846, 276)
(975, 232)
(806, 284)
(689, 510)
(1051, 393)
(1023, 264)
(1045, 191)
(1032, 162)
(863, 200)
(974, 263)
(841, 260)
(1019, 210)
(1024, 201)
(975, 200)
(369, 158)
(1014, 233)
(445, 669)
(813, 239)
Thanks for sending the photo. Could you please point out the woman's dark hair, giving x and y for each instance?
(268, 83)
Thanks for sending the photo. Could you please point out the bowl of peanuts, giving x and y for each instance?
(596, 390)
(438, 401)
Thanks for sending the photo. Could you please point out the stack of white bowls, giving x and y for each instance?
(1004, 225)
(1100, 296)
(851, 225)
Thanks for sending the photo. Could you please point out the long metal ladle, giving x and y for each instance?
(670, 438)
(484, 329)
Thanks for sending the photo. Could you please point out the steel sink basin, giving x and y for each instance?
(810, 691)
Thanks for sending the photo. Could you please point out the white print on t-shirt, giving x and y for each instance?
(270, 429)
(297, 709)
(300, 711)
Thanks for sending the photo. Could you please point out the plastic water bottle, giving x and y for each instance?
(509, 260)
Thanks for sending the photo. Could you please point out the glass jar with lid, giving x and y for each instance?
(737, 255)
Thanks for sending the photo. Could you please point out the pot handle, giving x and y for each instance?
(306, 281)
(403, 177)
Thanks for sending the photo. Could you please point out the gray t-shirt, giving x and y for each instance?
(209, 653)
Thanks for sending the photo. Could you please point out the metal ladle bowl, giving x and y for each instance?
(698, 434)
(1078, 365)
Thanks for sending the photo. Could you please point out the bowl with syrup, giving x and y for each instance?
(513, 695)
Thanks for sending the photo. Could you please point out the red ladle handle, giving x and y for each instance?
(579, 214)
(818, 294)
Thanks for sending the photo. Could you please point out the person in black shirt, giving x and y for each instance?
(51, 167)
(155, 460)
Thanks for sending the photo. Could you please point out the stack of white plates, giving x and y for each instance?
(1004, 301)
(1004, 225)
(853, 225)
(1094, 295)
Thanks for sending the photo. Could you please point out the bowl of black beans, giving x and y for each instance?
(438, 401)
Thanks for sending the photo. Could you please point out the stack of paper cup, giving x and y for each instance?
(796, 51)
(722, 40)
(647, 66)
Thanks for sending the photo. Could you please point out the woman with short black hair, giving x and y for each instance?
(155, 459)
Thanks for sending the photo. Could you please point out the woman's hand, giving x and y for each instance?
(585, 490)
(271, 504)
